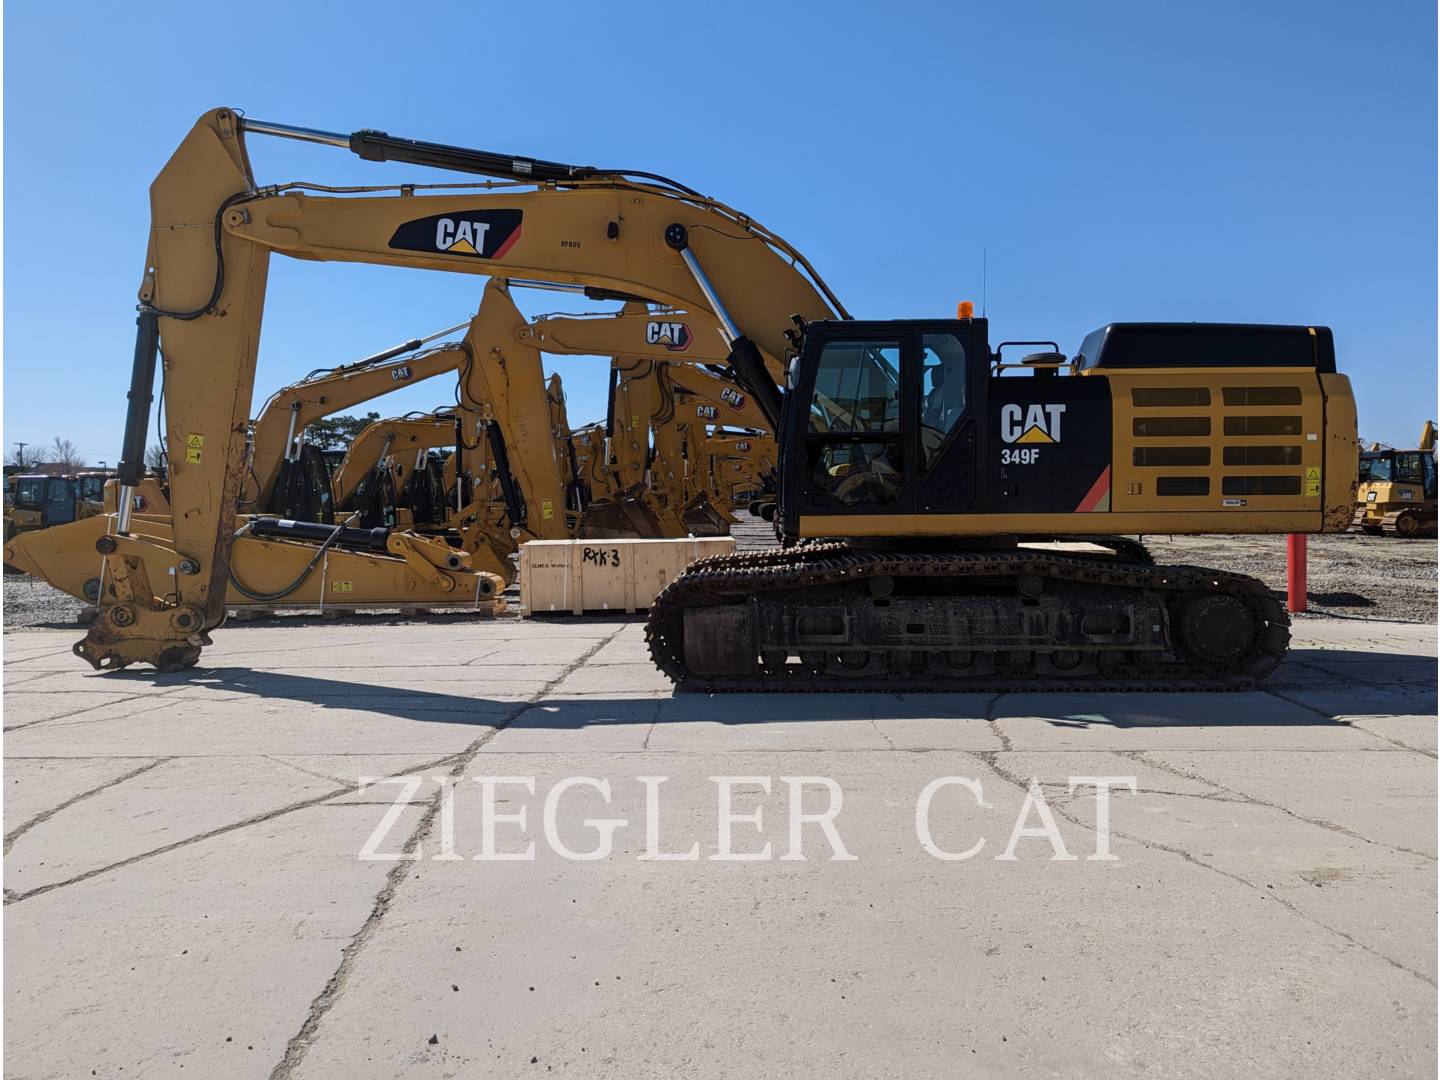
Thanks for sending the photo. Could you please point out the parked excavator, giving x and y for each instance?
(732, 466)
(913, 470)
(40, 501)
(1397, 496)
(388, 456)
(660, 416)
(377, 483)
(288, 476)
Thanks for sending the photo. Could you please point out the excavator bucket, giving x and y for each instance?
(63, 555)
(702, 518)
(619, 517)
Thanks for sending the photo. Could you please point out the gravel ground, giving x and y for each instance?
(1351, 576)
(30, 602)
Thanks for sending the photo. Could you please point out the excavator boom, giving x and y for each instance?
(202, 298)
(284, 417)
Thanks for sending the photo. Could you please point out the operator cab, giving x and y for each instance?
(51, 497)
(882, 417)
(1400, 467)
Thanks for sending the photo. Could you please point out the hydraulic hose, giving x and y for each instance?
(266, 598)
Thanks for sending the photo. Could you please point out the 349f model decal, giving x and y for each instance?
(475, 234)
(1032, 426)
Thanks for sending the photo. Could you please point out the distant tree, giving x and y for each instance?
(31, 455)
(155, 460)
(64, 452)
(338, 432)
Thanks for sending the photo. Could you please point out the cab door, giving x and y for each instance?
(60, 497)
(952, 363)
(845, 430)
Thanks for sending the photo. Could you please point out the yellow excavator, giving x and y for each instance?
(732, 466)
(42, 500)
(659, 419)
(387, 455)
(914, 466)
(380, 483)
(286, 475)
(1397, 494)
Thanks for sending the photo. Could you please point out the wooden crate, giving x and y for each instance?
(576, 576)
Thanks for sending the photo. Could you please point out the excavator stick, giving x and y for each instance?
(201, 299)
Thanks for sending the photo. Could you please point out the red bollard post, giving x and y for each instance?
(1295, 572)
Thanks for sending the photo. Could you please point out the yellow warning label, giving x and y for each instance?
(194, 448)
(342, 586)
(1312, 481)
(547, 511)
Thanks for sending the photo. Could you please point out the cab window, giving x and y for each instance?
(60, 501)
(855, 452)
(30, 492)
(942, 391)
(1408, 468)
(857, 387)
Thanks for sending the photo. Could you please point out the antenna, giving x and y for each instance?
(984, 277)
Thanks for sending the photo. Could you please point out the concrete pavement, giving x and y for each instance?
(184, 893)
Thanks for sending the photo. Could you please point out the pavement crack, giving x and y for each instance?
(1144, 757)
(1323, 714)
(148, 695)
(74, 712)
(659, 707)
(991, 759)
(302, 769)
(1397, 743)
(45, 815)
(300, 1043)
(12, 897)
(994, 723)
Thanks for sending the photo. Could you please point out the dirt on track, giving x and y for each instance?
(1351, 575)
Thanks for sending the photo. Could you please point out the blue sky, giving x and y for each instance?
(1269, 162)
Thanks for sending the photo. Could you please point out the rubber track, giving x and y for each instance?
(744, 574)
